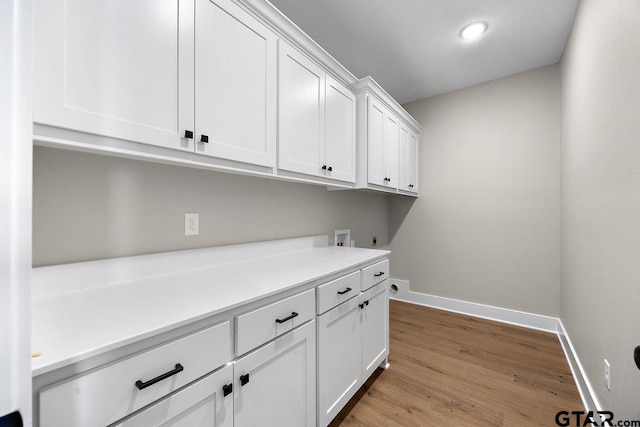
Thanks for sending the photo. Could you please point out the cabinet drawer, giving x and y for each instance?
(374, 274)
(338, 291)
(264, 324)
(201, 404)
(109, 393)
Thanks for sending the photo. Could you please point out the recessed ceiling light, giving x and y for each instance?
(473, 30)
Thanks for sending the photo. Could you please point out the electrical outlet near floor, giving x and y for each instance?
(191, 224)
(607, 374)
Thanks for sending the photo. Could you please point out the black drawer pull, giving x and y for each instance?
(244, 379)
(345, 291)
(330, 169)
(361, 306)
(204, 138)
(227, 389)
(293, 314)
(324, 167)
(140, 384)
(366, 302)
(188, 134)
(379, 274)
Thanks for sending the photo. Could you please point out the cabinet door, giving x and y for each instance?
(339, 359)
(340, 128)
(300, 113)
(116, 68)
(279, 382)
(375, 142)
(202, 404)
(375, 328)
(235, 84)
(391, 149)
(413, 160)
(403, 150)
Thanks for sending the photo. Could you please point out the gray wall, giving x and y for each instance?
(600, 242)
(486, 227)
(88, 207)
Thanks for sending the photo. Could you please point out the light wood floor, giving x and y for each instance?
(454, 370)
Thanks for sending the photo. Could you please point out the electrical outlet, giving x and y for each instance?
(191, 224)
(374, 241)
(607, 374)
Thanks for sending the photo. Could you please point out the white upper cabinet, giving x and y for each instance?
(375, 153)
(300, 112)
(229, 85)
(235, 84)
(340, 133)
(413, 159)
(403, 179)
(408, 180)
(391, 148)
(316, 119)
(387, 142)
(116, 68)
(383, 144)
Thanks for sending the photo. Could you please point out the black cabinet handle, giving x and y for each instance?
(410, 185)
(188, 134)
(293, 314)
(204, 138)
(244, 379)
(330, 168)
(141, 384)
(361, 306)
(227, 389)
(324, 167)
(379, 274)
(366, 302)
(345, 291)
(13, 419)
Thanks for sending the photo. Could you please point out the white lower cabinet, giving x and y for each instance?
(275, 385)
(353, 340)
(339, 359)
(208, 402)
(375, 328)
(298, 362)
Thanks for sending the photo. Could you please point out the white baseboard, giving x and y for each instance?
(504, 315)
(587, 394)
(400, 291)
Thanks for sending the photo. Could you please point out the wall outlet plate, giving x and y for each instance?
(191, 224)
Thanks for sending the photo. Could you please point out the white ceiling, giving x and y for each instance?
(413, 49)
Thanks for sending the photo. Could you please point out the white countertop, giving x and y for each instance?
(85, 309)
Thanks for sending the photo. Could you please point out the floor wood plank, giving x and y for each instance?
(449, 369)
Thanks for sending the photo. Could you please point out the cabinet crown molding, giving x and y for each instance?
(289, 31)
(368, 84)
